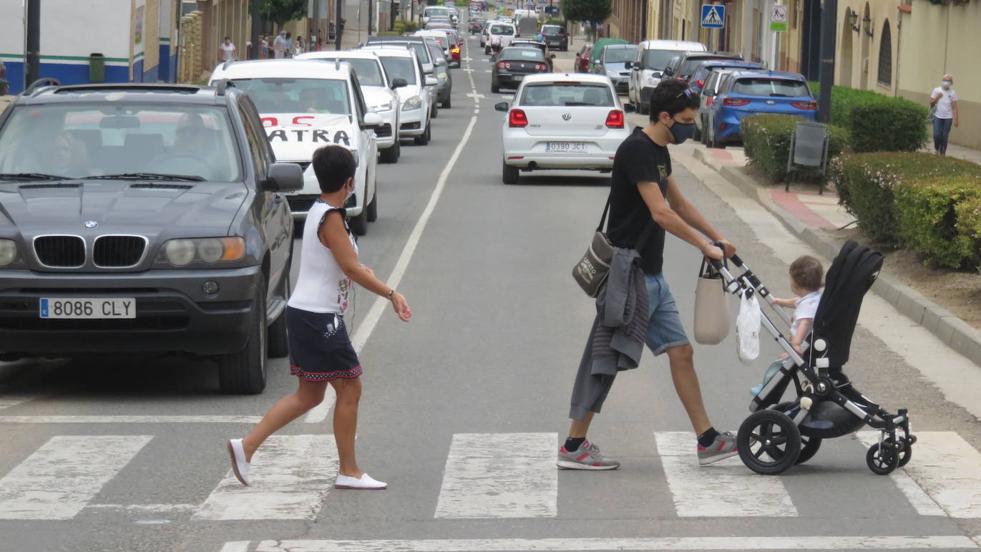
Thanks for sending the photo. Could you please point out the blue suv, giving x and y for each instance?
(750, 92)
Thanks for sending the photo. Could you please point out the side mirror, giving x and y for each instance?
(629, 108)
(667, 72)
(372, 120)
(431, 80)
(399, 83)
(628, 65)
(501, 106)
(283, 177)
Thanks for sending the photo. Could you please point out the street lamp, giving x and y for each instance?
(867, 24)
(852, 18)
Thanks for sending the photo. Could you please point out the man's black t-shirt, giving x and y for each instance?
(638, 159)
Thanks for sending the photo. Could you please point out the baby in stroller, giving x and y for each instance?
(782, 432)
(806, 281)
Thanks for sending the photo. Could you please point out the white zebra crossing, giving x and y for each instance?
(64, 474)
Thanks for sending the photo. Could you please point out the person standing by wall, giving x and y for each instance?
(227, 51)
(280, 45)
(943, 102)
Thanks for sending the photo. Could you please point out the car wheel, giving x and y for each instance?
(448, 103)
(424, 139)
(359, 224)
(435, 110)
(486, 51)
(373, 207)
(495, 88)
(244, 372)
(698, 134)
(509, 174)
(392, 154)
(278, 342)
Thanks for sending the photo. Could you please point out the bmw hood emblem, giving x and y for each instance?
(90, 224)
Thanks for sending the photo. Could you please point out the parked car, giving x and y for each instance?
(439, 12)
(561, 121)
(653, 56)
(527, 26)
(613, 64)
(514, 64)
(556, 37)
(582, 58)
(497, 32)
(713, 85)
(416, 114)
(151, 223)
(597, 51)
(702, 70)
(305, 104)
(425, 56)
(684, 66)
(444, 82)
(750, 92)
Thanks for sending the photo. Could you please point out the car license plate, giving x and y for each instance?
(565, 147)
(87, 307)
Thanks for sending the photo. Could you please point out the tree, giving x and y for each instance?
(593, 12)
(282, 11)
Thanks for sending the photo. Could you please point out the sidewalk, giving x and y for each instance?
(4, 100)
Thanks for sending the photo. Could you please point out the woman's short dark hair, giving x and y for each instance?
(672, 96)
(333, 165)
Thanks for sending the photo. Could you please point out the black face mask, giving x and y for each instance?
(682, 131)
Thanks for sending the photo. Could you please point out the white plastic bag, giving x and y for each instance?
(748, 328)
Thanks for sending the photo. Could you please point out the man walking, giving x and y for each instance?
(944, 101)
(646, 201)
(280, 45)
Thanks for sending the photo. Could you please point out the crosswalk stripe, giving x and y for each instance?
(480, 482)
(946, 467)
(290, 478)
(132, 419)
(64, 474)
(8, 401)
(726, 489)
(830, 542)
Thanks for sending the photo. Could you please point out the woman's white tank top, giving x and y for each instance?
(321, 286)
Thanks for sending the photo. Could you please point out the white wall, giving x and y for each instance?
(12, 27)
(80, 27)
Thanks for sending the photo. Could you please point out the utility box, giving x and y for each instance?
(97, 67)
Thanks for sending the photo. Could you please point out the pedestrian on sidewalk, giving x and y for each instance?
(280, 45)
(227, 50)
(943, 102)
(321, 352)
(646, 202)
(299, 47)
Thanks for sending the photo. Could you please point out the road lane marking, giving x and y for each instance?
(124, 419)
(929, 542)
(235, 546)
(480, 482)
(290, 478)
(727, 489)
(946, 467)
(319, 413)
(64, 474)
(145, 508)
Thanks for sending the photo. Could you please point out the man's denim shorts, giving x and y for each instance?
(664, 329)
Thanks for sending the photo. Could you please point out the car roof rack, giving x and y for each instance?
(128, 87)
(40, 84)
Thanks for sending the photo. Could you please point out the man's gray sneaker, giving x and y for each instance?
(721, 448)
(587, 457)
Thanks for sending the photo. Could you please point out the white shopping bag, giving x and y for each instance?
(748, 328)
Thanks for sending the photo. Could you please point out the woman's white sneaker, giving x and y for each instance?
(364, 483)
(239, 465)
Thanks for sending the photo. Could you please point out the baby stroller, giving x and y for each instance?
(781, 433)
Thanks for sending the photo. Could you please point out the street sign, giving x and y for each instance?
(778, 19)
(713, 16)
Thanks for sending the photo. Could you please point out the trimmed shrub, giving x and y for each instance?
(928, 222)
(405, 26)
(877, 122)
(866, 183)
(968, 214)
(766, 139)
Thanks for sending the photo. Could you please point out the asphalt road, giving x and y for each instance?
(465, 406)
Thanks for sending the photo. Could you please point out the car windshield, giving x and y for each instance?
(422, 52)
(563, 94)
(93, 140)
(522, 54)
(657, 60)
(770, 87)
(551, 30)
(400, 68)
(437, 12)
(288, 95)
(368, 71)
(616, 54)
(504, 30)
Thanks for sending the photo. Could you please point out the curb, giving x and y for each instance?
(945, 325)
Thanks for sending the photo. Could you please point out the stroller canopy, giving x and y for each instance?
(851, 275)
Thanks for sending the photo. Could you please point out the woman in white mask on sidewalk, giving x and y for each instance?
(943, 103)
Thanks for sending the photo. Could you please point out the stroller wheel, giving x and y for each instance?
(809, 449)
(905, 453)
(882, 461)
(769, 442)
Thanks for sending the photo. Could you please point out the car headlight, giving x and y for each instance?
(207, 251)
(387, 106)
(441, 76)
(8, 252)
(415, 102)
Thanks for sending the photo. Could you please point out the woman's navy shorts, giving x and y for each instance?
(320, 349)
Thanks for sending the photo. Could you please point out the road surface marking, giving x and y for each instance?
(941, 542)
(8, 401)
(290, 477)
(944, 466)
(64, 474)
(236, 546)
(727, 489)
(319, 413)
(480, 482)
(123, 419)
(145, 508)
(918, 498)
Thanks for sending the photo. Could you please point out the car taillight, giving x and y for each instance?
(700, 84)
(503, 65)
(615, 119)
(732, 102)
(540, 67)
(709, 100)
(806, 106)
(517, 119)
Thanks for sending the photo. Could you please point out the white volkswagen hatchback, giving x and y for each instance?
(306, 104)
(570, 121)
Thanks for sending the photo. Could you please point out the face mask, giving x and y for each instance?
(682, 131)
(350, 193)
(946, 85)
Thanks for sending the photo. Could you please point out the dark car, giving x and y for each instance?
(521, 43)
(513, 64)
(151, 222)
(613, 64)
(556, 37)
(700, 76)
(684, 65)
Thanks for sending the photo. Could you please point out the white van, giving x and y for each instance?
(652, 57)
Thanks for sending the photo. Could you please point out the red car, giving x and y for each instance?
(582, 58)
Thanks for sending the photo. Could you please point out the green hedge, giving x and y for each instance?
(866, 184)
(968, 213)
(766, 139)
(928, 221)
(877, 122)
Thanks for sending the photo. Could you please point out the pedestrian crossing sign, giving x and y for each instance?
(713, 16)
